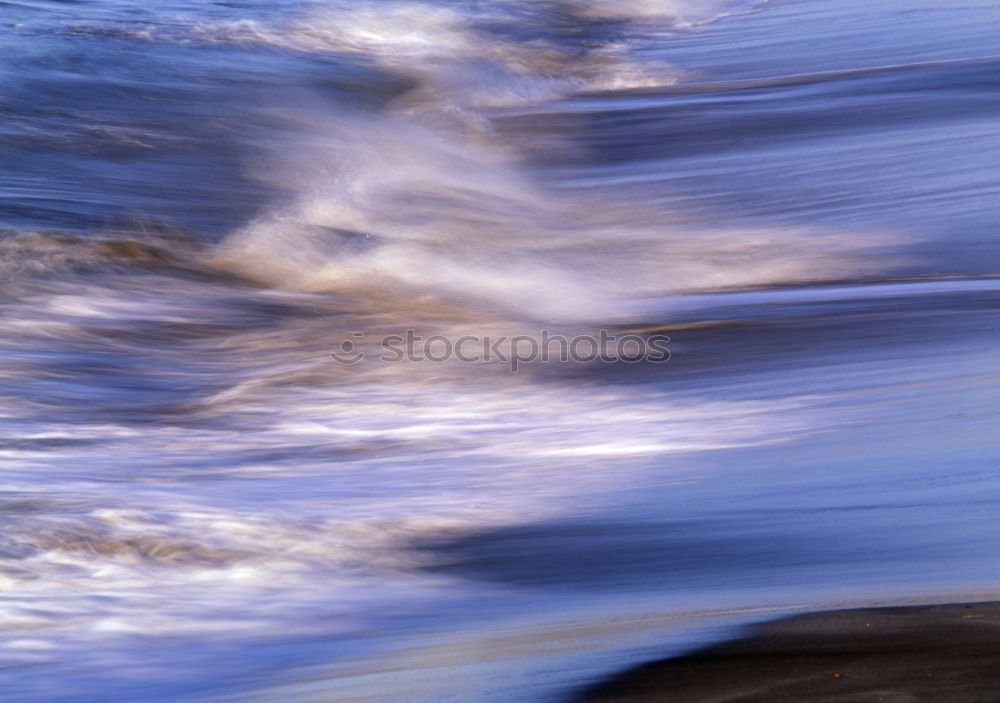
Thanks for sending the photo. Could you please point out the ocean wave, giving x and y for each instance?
(430, 197)
(393, 205)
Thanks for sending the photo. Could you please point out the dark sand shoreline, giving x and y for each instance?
(905, 654)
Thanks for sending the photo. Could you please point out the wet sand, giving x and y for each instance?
(938, 653)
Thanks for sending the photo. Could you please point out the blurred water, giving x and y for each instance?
(199, 202)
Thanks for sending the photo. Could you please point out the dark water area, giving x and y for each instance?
(200, 202)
